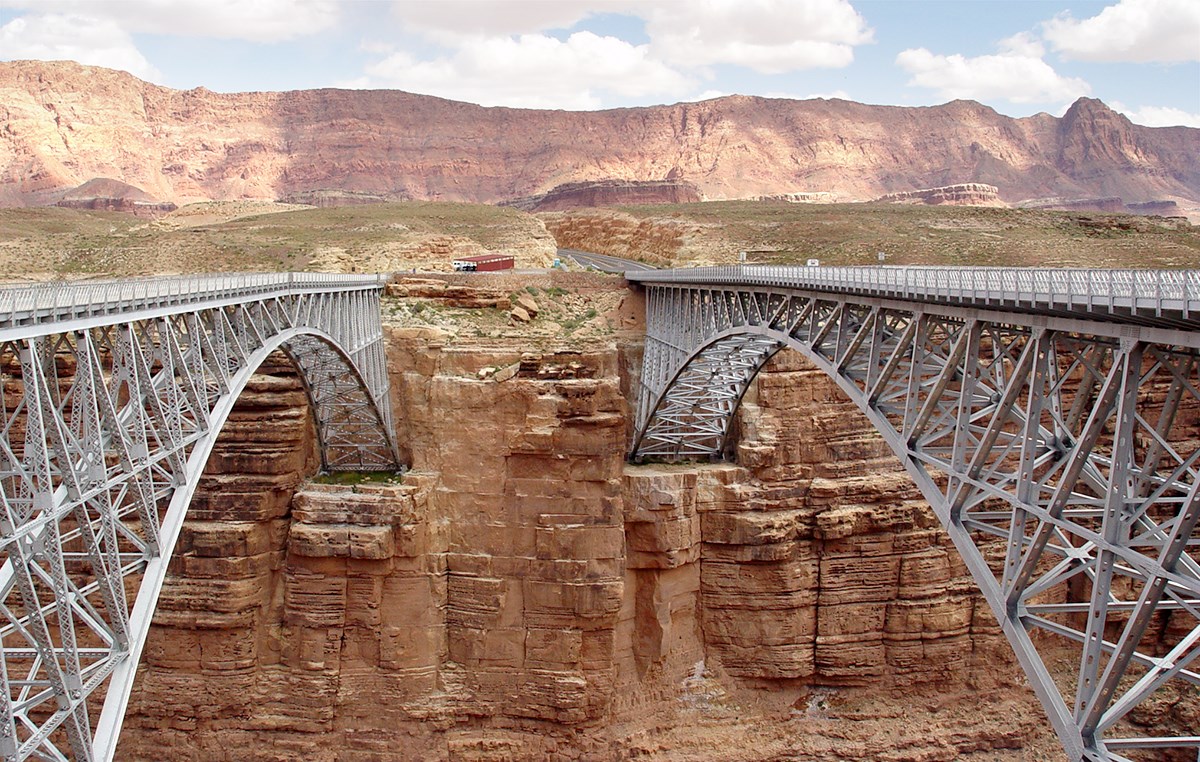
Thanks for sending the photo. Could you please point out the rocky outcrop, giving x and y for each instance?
(852, 565)
(450, 295)
(103, 194)
(658, 242)
(609, 193)
(62, 123)
(962, 194)
(1111, 204)
(222, 609)
(1165, 208)
(525, 595)
(813, 197)
(327, 198)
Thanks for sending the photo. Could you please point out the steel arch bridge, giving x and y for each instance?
(114, 394)
(1050, 417)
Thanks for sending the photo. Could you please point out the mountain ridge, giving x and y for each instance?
(62, 124)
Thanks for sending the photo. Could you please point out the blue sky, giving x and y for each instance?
(1020, 57)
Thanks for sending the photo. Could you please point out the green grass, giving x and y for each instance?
(355, 478)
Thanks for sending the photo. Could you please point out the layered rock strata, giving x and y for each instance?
(609, 193)
(114, 196)
(801, 197)
(880, 596)
(525, 595)
(62, 123)
(962, 194)
(657, 242)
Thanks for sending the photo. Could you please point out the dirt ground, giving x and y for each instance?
(232, 236)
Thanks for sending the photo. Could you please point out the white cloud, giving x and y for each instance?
(1022, 44)
(769, 36)
(1014, 75)
(1135, 31)
(707, 95)
(533, 71)
(448, 20)
(501, 54)
(253, 20)
(55, 37)
(1158, 116)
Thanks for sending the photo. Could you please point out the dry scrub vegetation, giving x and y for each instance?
(853, 234)
(425, 236)
(263, 237)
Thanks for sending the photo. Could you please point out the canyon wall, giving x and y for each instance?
(962, 194)
(660, 242)
(525, 594)
(609, 193)
(62, 124)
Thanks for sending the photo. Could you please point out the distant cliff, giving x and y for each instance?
(609, 193)
(962, 194)
(62, 124)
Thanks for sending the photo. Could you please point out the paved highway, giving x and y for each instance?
(603, 262)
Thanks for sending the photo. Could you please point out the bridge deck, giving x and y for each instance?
(24, 307)
(1155, 297)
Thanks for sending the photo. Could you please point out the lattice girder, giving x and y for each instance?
(1061, 456)
(110, 413)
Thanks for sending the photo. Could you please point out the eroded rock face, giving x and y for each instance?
(609, 232)
(880, 594)
(527, 595)
(962, 194)
(62, 123)
(529, 487)
(609, 193)
(103, 194)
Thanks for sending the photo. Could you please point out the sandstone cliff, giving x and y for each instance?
(970, 194)
(526, 595)
(609, 193)
(62, 124)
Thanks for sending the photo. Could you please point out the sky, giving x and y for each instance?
(1020, 57)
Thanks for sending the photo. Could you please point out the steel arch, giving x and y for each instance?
(1065, 448)
(110, 413)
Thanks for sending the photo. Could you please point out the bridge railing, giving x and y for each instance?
(65, 300)
(1142, 291)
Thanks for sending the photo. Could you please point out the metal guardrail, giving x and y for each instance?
(1144, 292)
(65, 300)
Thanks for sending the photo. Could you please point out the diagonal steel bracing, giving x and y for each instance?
(114, 394)
(1052, 420)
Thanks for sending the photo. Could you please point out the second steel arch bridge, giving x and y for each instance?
(1050, 417)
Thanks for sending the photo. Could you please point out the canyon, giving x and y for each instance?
(63, 124)
(524, 593)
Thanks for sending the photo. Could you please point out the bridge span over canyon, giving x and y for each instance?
(1051, 419)
(114, 394)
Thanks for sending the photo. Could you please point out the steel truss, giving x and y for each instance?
(1060, 454)
(111, 409)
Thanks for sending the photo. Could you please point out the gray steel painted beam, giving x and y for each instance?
(117, 407)
(1039, 422)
